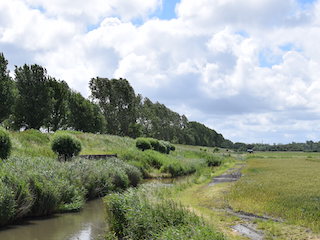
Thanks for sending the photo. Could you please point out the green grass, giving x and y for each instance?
(185, 160)
(144, 214)
(41, 186)
(282, 185)
(33, 143)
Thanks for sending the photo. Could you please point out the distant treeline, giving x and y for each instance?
(308, 146)
(33, 99)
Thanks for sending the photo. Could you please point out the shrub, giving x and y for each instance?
(142, 168)
(168, 146)
(5, 144)
(172, 147)
(216, 149)
(175, 169)
(143, 144)
(162, 147)
(213, 161)
(154, 144)
(66, 146)
(133, 174)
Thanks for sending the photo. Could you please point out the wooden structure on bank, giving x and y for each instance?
(98, 156)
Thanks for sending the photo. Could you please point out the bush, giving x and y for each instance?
(213, 161)
(168, 146)
(175, 169)
(134, 175)
(5, 144)
(66, 146)
(154, 144)
(216, 149)
(143, 144)
(172, 147)
(162, 147)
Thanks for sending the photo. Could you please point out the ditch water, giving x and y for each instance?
(88, 224)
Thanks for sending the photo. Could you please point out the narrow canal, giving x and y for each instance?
(88, 224)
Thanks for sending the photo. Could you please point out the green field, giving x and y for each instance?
(282, 185)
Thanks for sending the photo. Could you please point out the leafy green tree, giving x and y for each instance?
(84, 115)
(117, 100)
(5, 144)
(66, 146)
(135, 130)
(6, 90)
(33, 104)
(60, 93)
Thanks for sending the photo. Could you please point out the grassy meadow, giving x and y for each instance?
(282, 185)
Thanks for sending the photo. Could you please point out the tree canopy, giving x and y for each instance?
(41, 101)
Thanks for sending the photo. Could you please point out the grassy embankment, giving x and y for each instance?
(151, 212)
(34, 183)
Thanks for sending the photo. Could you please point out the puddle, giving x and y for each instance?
(232, 175)
(248, 231)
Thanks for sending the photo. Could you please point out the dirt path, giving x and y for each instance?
(246, 228)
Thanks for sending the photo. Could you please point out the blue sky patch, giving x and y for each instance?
(287, 47)
(306, 1)
(243, 34)
(167, 11)
(267, 59)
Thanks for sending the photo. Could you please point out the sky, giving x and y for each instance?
(248, 69)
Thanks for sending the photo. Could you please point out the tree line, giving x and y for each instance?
(34, 100)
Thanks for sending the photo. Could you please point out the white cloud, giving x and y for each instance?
(92, 11)
(206, 63)
(30, 29)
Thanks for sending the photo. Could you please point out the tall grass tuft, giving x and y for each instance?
(141, 214)
(42, 186)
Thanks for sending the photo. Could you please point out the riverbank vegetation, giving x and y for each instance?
(41, 186)
(34, 183)
(152, 212)
(145, 213)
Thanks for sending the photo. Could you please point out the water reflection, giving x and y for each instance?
(89, 224)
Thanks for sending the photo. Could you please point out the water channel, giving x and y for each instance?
(88, 224)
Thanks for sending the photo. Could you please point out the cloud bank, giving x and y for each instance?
(249, 69)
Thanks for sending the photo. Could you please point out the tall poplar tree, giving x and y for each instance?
(6, 90)
(33, 104)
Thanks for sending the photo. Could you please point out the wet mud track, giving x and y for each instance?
(246, 228)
